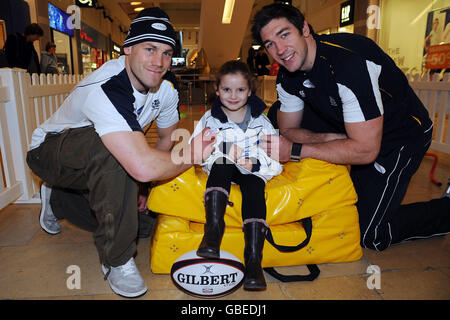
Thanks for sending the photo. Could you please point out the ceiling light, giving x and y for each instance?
(139, 9)
(135, 3)
(227, 11)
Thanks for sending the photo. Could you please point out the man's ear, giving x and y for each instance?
(127, 50)
(306, 30)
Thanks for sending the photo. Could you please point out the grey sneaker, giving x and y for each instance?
(125, 280)
(47, 219)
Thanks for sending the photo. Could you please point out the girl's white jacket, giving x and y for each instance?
(228, 131)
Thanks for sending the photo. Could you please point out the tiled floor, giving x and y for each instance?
(35, 265)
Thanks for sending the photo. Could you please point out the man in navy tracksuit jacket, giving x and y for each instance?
(343, 100)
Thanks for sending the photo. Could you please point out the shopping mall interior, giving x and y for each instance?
(35, 264)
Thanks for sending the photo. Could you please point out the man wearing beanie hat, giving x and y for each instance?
(151, 24)
(92, 152)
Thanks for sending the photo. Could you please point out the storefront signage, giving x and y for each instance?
(84, 36)
(347, 13)
(438, 57)
(93, 38)
(86, 3)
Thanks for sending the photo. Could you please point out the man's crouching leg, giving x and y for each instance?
(113, 197)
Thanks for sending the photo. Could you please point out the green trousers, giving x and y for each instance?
(90, 189)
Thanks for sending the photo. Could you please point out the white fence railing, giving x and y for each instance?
(25, 102)
(434, 94)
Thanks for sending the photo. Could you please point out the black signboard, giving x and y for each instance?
(86, 3)
(347, 13)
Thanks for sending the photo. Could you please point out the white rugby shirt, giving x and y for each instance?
(106, 100)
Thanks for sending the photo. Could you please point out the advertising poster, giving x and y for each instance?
(58, 19)
(437, 40)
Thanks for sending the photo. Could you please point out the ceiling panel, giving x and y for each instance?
(166, 5)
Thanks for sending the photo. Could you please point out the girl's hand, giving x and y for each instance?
(246, 163)
(235, 152)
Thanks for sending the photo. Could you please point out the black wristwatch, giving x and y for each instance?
(296, 151)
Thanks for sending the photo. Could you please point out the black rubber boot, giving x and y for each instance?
(215, 205)
(254, 234)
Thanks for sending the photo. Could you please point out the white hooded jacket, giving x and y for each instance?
(230, 132)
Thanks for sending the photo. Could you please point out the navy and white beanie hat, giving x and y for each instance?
(151, 24)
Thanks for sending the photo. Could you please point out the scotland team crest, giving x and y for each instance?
(155, 104)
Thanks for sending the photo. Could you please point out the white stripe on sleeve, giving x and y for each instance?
(350, 105)
(374, 73)
(289, 102)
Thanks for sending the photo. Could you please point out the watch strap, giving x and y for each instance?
(296, 151)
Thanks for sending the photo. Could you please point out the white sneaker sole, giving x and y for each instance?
(123, 293)
(44, 204)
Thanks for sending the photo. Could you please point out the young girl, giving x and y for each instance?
(237, 116)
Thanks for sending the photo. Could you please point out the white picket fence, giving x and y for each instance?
(25, 102)
(434, 94)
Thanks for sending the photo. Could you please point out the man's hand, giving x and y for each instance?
(277, 147)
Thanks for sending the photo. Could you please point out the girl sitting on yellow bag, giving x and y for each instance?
(237, 117)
